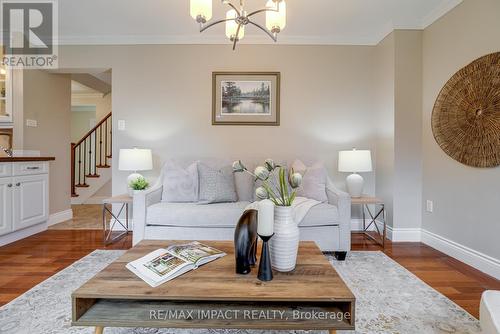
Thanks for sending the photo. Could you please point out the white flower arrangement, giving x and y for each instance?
(275, 184)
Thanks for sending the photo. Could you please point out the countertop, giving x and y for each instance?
(21, 159)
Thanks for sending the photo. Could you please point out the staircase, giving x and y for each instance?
(91, 161)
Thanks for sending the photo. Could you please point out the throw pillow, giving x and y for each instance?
(180, 185)
(216, 185)
(314, 180)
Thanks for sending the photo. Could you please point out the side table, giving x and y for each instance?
(365, 201)
(107, 206)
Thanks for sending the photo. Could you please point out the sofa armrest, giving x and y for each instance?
(142, 200)
(342, 201)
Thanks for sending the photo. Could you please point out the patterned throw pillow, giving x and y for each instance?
(313, 182)
(180, 185)
(216, 185)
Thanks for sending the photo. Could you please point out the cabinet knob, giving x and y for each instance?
(9, 185)
(18, 184)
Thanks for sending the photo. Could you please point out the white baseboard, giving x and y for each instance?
(60, 217)
(478, 260)
(21, 234)
(404, 234)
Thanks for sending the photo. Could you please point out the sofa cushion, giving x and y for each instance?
(216, 185)
(196, 215)
(313, 182)
(321, 215)
(180, 184)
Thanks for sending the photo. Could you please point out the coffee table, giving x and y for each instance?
(313, 296)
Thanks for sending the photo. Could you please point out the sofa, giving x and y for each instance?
(328, 223)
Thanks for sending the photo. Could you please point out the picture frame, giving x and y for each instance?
(246, 98)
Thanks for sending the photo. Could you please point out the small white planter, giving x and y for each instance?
(132, 192)
(284, 245)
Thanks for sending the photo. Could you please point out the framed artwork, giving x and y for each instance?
(246, 98)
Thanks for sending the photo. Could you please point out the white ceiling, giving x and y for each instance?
(363, 22)
(78, 88)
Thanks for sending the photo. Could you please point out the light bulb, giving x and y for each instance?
(276, 21)
(232, 26)
(201, 10)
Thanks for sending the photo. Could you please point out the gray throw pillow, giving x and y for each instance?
(216, 185)
(313, 182)
(180, 185)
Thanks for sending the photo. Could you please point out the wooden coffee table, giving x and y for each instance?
(313, 296)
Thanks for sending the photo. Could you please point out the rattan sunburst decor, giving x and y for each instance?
(466, 115)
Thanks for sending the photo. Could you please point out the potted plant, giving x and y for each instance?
(278, 184)
(137, 184)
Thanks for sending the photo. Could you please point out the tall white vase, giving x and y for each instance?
(284, 245)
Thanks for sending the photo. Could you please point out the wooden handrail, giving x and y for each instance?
(93, 129)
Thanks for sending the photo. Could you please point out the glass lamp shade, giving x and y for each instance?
(135, 159)
(232, 26)
(276, 21)
(201, 8)
(355, 161)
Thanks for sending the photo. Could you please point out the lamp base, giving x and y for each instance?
(132, 177)
(355, 184)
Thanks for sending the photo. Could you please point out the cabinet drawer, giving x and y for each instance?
(5, 169)
(30, 168)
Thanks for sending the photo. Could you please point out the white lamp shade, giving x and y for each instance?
(276, 19)
(201, 8)
(355, 161)
(232, 26)
(135, 159)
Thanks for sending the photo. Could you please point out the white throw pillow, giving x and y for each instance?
(314, 180)
(180, 185)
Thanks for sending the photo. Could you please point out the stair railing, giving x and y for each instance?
(91, 152)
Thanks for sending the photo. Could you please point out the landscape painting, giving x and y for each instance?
(246, 98)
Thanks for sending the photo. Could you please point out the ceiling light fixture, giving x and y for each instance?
(237, 18)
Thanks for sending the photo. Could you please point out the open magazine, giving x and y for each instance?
(162, 265)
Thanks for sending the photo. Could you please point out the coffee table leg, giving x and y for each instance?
(99, 330)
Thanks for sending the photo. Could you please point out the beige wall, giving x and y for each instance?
(164, 94)
(407, 129)
(102, 104)
(47, 99)
(80, 123)
(384, 88)
(465, 199)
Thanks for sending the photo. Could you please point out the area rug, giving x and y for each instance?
(389, 299)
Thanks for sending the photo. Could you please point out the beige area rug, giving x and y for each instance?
(389, 299)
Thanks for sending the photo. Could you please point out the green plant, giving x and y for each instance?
(278, 183)
(139, 184)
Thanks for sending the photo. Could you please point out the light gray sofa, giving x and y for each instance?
(328, 224)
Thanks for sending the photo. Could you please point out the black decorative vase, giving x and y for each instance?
(265, 269)
(245, 242)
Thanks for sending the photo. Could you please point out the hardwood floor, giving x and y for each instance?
(25, 263)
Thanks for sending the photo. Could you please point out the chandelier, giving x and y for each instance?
(237, 18)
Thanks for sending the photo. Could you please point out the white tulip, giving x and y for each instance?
(262, 173)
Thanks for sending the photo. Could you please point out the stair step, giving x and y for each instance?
(83, 185)
(93, 175)
(109, 156)
(103, 166)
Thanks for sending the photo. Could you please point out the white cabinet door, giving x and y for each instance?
(5, 205)
(31, 195)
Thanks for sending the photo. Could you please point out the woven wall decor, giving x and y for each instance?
(466, 115)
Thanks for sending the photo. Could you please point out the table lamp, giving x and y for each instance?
(135, 159)
(355, 162)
